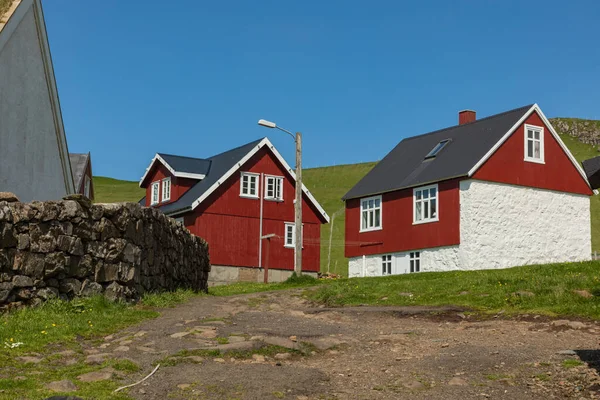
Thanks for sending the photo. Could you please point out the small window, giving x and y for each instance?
(415, 261)
(249, 185)
(290, 234)
(438, 147)
(370, 210)
(425, 204)
(166, 189)
(274, 188)
(155, 193)
(386, 264)
(534, 143)
(87, 187)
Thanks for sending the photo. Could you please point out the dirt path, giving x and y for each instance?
(353, 353)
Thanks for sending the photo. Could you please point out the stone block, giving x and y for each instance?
(7, 236)
(31, 264)
(70, 286)
(55, 264)
(22, 281)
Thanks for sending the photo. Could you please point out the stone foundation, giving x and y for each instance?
(223, 275)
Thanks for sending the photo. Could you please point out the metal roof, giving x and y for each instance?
(187, 164)
(405, 166)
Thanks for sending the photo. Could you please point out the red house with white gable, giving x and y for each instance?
(225, 199)
(497, 192)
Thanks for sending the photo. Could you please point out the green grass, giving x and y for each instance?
(488, 291)
(571, 363)
(109, 190)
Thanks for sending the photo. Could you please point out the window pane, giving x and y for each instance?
(418, 214)
(377, 217)
(370, 219)
(530, 148)
(426, 209)
(412, 266)
(377, 202)
(417, 254)
(530, 134)
(364, 220)
(536, 150)
(418, 195)
(425, 194)
(432, 192)
(417, 265)
(536, 135)
(364, 205)
(433, 208)
(370, 203)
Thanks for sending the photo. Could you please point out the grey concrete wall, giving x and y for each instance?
(223, 275)
(30, 163)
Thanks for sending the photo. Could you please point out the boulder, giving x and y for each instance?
(31, 264)
(114, 292)
(48, 293)
(22, 281)
(55, 263)
(8, 197)
(81, 199)
(70, 286)
(90, 288)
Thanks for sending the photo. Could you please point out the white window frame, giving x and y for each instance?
(292, 236)
(277, 187)
(369, 210)
(540, 130)
(166, 189)
(414, 263)
(427, 202)
(251, 176)
(153, 200)
(387, 264)
(87, 186)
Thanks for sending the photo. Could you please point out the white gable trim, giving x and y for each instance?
(534, 108)
(19, 10)
(177, 174)
(236, 167)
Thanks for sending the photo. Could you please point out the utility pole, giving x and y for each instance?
(298, 206)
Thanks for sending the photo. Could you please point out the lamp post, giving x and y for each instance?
(298, 202)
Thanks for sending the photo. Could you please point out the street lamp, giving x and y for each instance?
(298, 202)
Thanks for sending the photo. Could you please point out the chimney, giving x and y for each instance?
(466, 116)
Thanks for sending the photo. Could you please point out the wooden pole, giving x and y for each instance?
(298, 206)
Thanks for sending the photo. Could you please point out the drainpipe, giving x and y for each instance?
(260, 221)
(364, 266)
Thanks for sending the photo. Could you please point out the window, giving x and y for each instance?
(249, 185)
(180, 221)
(370, 210)
(415, 261)
(274, 188)
(425, 204)
(166, 189)
(154, 192)
(438, 147)
(290, 234)
(386, 264)
(87, 186)
(534, 144)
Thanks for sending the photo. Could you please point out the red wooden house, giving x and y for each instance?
(497, 192)
(225, 198)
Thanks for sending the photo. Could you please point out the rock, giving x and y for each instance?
(463, 293)
(583, 293)
(405, 294)
(22, 281)
(89, 288)
(55, 263)
(146, 349)
(30, 359)
(258, 358)
(70, 286)
(66, 353)
(184, 386)
(48, 293)
(444, 345)
(79, 198)
(293, 338)
(122, 349)
(523, 293)
(566, 353)
(209, 334)
(279, 341)
(9, 197)
(577, 325)
(95, 376)
(64, 386)
(236, 339)
(140, 334)
(23, 242)
(179, 335)
(219, 360)
(456, 381)
(114, 292)
(413, 384)
(282, 356)
(195, 359)
(95, 359)
(569, 324)
(237, 346)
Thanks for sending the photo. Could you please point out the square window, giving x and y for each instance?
(370, 210)
(249, 185)
(425, 202)
(290, 234)
(415, 261)
(274, 188)
(386, 264)
(534, 144)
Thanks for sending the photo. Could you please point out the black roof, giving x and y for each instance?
(218, 165)
(405, 166)
(78, 163)
(187, 164)
(592, 171)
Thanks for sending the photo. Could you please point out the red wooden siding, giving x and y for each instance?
(178, 185)
(88, 173)
(230, 223)
(507, 164)
(399, 233)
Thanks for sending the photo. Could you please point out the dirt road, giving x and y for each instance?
(353, 353)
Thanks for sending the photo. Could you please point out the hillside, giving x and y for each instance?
(329, 184)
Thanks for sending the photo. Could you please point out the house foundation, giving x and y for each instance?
(223, 275)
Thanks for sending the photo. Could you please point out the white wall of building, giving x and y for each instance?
(505, 225)
(31, 165)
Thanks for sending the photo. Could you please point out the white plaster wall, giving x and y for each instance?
(441, 259)
(30, 164)
(371, 266)
(505, 226)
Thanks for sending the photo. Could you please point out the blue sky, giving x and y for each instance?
(355, 77)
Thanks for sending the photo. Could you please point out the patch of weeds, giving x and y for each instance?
(222, 340)
(307, 348)
(168, 299)
(254, 302)
(124, 365)
(303, 279)
(542, 377)
(278, 395)
(179, 357)
(213, 319)
(571, 363)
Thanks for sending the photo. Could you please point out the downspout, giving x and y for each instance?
(260, 221)
(364, 266)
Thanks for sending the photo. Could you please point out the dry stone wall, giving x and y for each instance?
(74, 248)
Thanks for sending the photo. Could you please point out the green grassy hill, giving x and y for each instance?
(329, 184)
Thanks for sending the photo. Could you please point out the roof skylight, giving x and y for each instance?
(438, 147)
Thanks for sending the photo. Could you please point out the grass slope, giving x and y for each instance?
(329, 184)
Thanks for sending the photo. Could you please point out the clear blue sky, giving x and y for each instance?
(355, 77)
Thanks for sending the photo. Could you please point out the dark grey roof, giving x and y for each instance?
(78, 163)
(219, 165)
(592, 171)
(187, 164)
(405, 166)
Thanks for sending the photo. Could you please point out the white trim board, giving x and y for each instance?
(534, 108)
(176, 174)
(232, 170)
